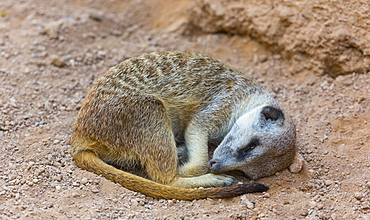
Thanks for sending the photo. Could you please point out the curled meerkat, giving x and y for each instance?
(144, 113)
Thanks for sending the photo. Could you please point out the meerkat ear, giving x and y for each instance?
(272, 113)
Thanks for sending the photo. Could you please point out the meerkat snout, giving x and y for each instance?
(212, 163)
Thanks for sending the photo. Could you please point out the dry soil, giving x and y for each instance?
(52, 51)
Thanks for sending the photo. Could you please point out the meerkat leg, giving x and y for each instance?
(197, 147)
(194, 172)
(161, 166)
(159, 156)
(155, 144)
(206, 180)
(196, 138)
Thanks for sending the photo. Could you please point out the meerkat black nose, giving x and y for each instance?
(212, 163)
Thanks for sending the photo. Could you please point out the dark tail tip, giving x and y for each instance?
(257, 187)
(240, 189)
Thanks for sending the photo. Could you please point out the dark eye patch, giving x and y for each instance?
(245, 150)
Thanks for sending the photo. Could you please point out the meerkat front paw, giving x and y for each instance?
(207, 180)
(192, 170)
(220, 180)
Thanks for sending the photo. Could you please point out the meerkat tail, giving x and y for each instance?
(87, 160)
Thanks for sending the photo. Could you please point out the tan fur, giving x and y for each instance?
(139, 112)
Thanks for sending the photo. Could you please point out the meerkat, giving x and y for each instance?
(146, 124)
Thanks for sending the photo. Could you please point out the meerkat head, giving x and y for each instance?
(260, 143)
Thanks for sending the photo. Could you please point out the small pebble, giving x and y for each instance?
(170, 203)
(304, 213)
(297, 164)
(75, 195)
(263, 58)
(84, 181)
(56, 60)
(250, 205)
(51, 29)
(266, 195)
(358, 195)
(328, 182)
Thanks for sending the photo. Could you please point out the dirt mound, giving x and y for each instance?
(330, 38)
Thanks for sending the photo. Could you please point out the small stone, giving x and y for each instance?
(56, 60)
(243, 198)
(75, 195)
(51, 29)
(263, 58)
(297, 164)
(49, 157)
(266, 195)
(334, 216)
(367, 183)
(328, 182)
(84, 181)
(250, 205)
(313, 204)
(358, 195)
(96, 17)
(320, 206)
(304, 213)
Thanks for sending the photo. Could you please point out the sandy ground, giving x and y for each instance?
(51, 52)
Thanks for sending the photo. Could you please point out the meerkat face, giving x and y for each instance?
(260, 143)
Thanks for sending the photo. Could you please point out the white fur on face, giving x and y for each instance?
(243, 129)
(240, 135)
